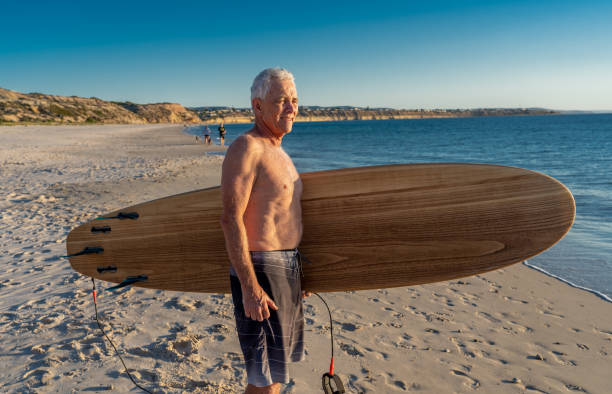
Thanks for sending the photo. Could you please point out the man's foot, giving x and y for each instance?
(274, 388)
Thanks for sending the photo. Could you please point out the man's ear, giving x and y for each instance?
(256, 104)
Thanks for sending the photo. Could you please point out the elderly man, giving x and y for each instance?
(262, 223)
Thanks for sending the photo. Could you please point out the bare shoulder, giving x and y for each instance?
(245, 145)
(243, 157)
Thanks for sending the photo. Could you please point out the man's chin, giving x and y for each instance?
(286, 126)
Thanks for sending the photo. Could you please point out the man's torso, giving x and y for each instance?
(273, 217)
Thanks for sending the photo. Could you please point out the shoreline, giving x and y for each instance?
(311, 119)
(510, 330)
(596, 293)
(314, 119)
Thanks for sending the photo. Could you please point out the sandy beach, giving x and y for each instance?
(514, 330)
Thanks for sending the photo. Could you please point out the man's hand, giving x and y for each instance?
(256, 303)
(306, 294)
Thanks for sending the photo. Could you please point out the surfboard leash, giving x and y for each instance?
(97, 319)
(332, 384)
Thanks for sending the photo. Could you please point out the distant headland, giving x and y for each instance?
(321, 114)
(20, 108)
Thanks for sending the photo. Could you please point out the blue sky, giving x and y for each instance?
(405, 54)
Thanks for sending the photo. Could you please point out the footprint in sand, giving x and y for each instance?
(143, 374)
(573, 387)
(394, 383)
(354, 387)
(511, 299)
(230, 364)
(218, 331)
(606, 334)
(551, 314)
(7, 283)
(462, 348)
(378, 355)
(468, 380)
(351, 350)
(176, 347)
(520, 327)
(560, 359)
(522, 386)
(467, 299)
(488, 317)
(537, 357)
(51, 319)
(444, 299)
(18, 198)
(25, 306)
(491, 357)
(183, 304)
(350, 327)
(404, 342)
(37, 377)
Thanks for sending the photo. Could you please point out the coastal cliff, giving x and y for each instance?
(16, 108)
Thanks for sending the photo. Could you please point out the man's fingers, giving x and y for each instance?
(271, 304)
(265, 312)
(258, 315)
(258, 310)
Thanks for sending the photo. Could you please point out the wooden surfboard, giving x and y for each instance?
(364, 228)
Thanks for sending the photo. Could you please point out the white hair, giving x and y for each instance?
(261, 83)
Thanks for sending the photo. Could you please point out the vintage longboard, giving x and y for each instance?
(364, 228)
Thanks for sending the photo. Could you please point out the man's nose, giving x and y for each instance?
(290, 107)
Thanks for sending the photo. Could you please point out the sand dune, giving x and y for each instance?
(512, 331)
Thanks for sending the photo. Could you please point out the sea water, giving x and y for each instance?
(575, 149)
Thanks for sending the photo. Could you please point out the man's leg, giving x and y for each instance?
(274, 388)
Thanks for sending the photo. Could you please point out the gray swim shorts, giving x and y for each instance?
(269, 346)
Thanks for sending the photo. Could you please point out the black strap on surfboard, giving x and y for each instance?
(101, 229)
(122, 215)
(87, 250)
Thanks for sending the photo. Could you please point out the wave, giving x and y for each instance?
(595, 292)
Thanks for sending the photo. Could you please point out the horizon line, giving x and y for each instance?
(601, 111)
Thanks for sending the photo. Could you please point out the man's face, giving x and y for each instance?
(280, 107)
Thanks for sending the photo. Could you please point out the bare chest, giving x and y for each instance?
(277, 177)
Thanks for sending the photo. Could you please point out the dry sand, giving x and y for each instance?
(514, 330)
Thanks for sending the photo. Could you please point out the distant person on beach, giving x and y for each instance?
(262, 224)
(222, 134)
(206, 133)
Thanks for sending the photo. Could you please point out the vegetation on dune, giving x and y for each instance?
(38, 108)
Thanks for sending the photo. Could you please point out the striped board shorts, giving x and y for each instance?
(269, 346)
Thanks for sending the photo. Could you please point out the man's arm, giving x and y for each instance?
(238, 176)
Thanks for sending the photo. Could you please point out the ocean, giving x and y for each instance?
(575, 149)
